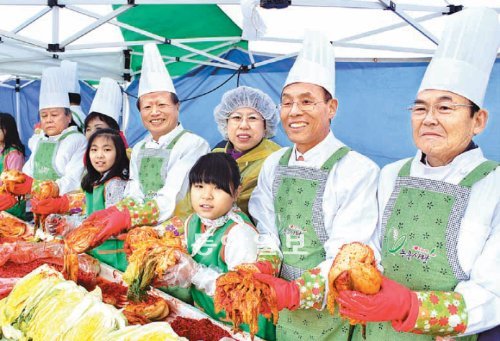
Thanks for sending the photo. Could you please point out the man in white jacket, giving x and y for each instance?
(310, 199)
(160, 163)
(439, 227)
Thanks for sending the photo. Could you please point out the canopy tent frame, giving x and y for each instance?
(306, 3)
(56, 49)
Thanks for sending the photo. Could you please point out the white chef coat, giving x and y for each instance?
(68, 160)
(349, 202)
(478, 248)
(183, 156)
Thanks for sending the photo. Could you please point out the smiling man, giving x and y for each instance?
(160, 163)
(311, 198)
(439, 230)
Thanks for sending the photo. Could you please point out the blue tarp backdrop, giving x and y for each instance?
(373, 99)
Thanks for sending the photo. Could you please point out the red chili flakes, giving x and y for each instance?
(15, 270)
(202, 329)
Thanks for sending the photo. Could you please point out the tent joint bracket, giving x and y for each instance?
(392, 6)
(55, 48)
(127, 76)
(18, 85)
(131, 2)
(245, 68)
(167, 41)
(54, 3)
(278, 4)
(453, 9)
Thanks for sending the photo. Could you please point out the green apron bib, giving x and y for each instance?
(420, 229)
(44, 159)
(298, 205)
(107, 251)
(19, 209)
(153, 165)
(211, 255)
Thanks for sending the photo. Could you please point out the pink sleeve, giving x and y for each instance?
(14, 160)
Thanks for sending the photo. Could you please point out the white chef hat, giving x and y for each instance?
(53, 93)
(315, 63)
(154, 74)
(108, 99)
(70, 74)
(464, 58)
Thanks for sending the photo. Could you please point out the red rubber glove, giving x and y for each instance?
(287, 293)
(99, 215)
(50, 205)
(23, 188)
(7, 201)
(394, 302)
(264, 267)
(113, 222)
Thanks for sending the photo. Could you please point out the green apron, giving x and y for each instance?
(44, 158)
(420, 229)
(19, 209)
(298, 204)
(153, 165)
(210, 255)
(107, 251)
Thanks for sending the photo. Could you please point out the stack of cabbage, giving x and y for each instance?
(44, 306)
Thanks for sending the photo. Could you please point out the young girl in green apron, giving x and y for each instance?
(11, 157)
(219, 236)
(104, 182)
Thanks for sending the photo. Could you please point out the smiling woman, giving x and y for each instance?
(246, 117)
(58, 150)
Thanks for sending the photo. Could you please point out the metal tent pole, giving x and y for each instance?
(31, 20)
(96, 24)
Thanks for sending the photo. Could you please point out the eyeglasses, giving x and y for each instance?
(444, 108)
(304, 105)
(237, 118)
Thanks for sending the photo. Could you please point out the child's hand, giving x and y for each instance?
(180, 274)
(7, 200)
(263, 267)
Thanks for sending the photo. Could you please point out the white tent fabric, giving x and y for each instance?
(89, 34)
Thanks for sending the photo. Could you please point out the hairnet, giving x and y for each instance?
(245, 96)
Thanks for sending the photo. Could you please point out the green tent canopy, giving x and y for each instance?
(180, 22)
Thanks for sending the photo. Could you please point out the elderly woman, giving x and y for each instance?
(246, 117)
(57, 154)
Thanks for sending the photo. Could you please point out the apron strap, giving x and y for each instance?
(172, 143)
(337, 156)
(405, 170)
(332, 160)
(479, 173)
(67, 134)
(77, 120)
(285, 157)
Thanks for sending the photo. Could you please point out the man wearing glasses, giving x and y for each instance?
(440, 211)
(311, 199)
